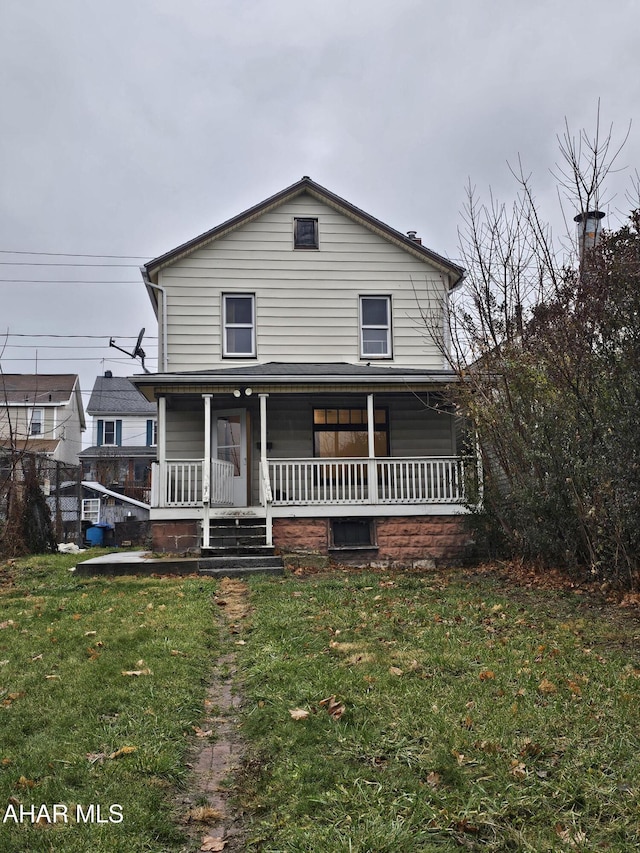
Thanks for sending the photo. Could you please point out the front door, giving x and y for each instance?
(229, 443)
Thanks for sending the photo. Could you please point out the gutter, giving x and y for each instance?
(149, 284)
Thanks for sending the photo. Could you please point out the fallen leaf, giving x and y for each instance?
(547, 686)
(136, 672)
(518, 769)
(76, 616)
(51, 677)
(124, 750)
(298, 714)
(90, 633)
(201, 732)
(37, 657)
(92, 757)
(212, 844)
(434, 779)
(395, 670)
(335, 709)
(23, 782)
(7, 623)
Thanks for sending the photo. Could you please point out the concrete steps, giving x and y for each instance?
(237, 547)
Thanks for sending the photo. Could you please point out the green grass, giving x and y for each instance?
(64, 644)
(477, 716)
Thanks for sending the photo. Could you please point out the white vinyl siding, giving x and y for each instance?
(307, 303)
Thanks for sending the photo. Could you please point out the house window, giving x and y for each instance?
(305, 233)
(239, 338)
(36, 422)
(375, 326)
(109, 433)
(339, 433)
(152, 433)
(91, 510)
(351, 533)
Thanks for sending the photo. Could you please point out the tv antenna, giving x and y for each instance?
(138, 352)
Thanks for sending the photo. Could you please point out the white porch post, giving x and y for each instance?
(372, 473)
(162, 449)
(264, 469)
(206, 472)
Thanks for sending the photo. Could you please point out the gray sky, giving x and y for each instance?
(131, 126)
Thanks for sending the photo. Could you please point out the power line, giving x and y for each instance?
(65, 281)
(57, 264)
(73, 255)
(56, 335)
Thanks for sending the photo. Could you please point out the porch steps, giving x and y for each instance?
(237, 547)
(240, 566)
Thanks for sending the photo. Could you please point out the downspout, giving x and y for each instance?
(149, 283)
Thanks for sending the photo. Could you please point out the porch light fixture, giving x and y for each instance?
(247, 391)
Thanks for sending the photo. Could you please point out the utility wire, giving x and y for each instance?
(73, 255)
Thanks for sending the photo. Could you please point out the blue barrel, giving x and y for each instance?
(95, 535)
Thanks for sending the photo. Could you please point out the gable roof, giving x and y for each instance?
(116, 395)
(42, 389)
(152, 268)
(37, 389)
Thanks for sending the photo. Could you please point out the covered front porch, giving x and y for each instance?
(310, 448)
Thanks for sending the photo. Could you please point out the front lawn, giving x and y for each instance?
(467, 714)
(101, 682)
(382, 712)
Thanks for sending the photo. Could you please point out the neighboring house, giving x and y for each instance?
(42, 414)
(301, 371)
(124, 438)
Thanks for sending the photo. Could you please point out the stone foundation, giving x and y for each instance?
(412, 541)
(442, 538)
(175, 537)
(301, 535)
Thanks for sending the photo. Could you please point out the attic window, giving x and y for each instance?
(305, 233)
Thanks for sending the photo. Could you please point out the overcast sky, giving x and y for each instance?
(131, 126)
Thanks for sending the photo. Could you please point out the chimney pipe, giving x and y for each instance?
(588, 230)
(413, 236)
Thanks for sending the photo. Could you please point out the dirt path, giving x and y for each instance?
(211, 821)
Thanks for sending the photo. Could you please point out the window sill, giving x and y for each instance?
(352, 548)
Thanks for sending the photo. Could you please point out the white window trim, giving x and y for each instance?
(106, 443)
(154, 432)
(252, 326)
(387, 327)
(40, 420)
(91, 510)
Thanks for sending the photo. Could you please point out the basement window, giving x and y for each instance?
(352, 533)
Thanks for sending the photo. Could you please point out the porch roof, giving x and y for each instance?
(294, 375)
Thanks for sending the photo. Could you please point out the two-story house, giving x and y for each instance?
(300, 386)
(42, 414)
(124, 437)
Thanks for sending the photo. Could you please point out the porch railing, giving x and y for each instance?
(365, 481)
(290, 482)
(179, 483)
